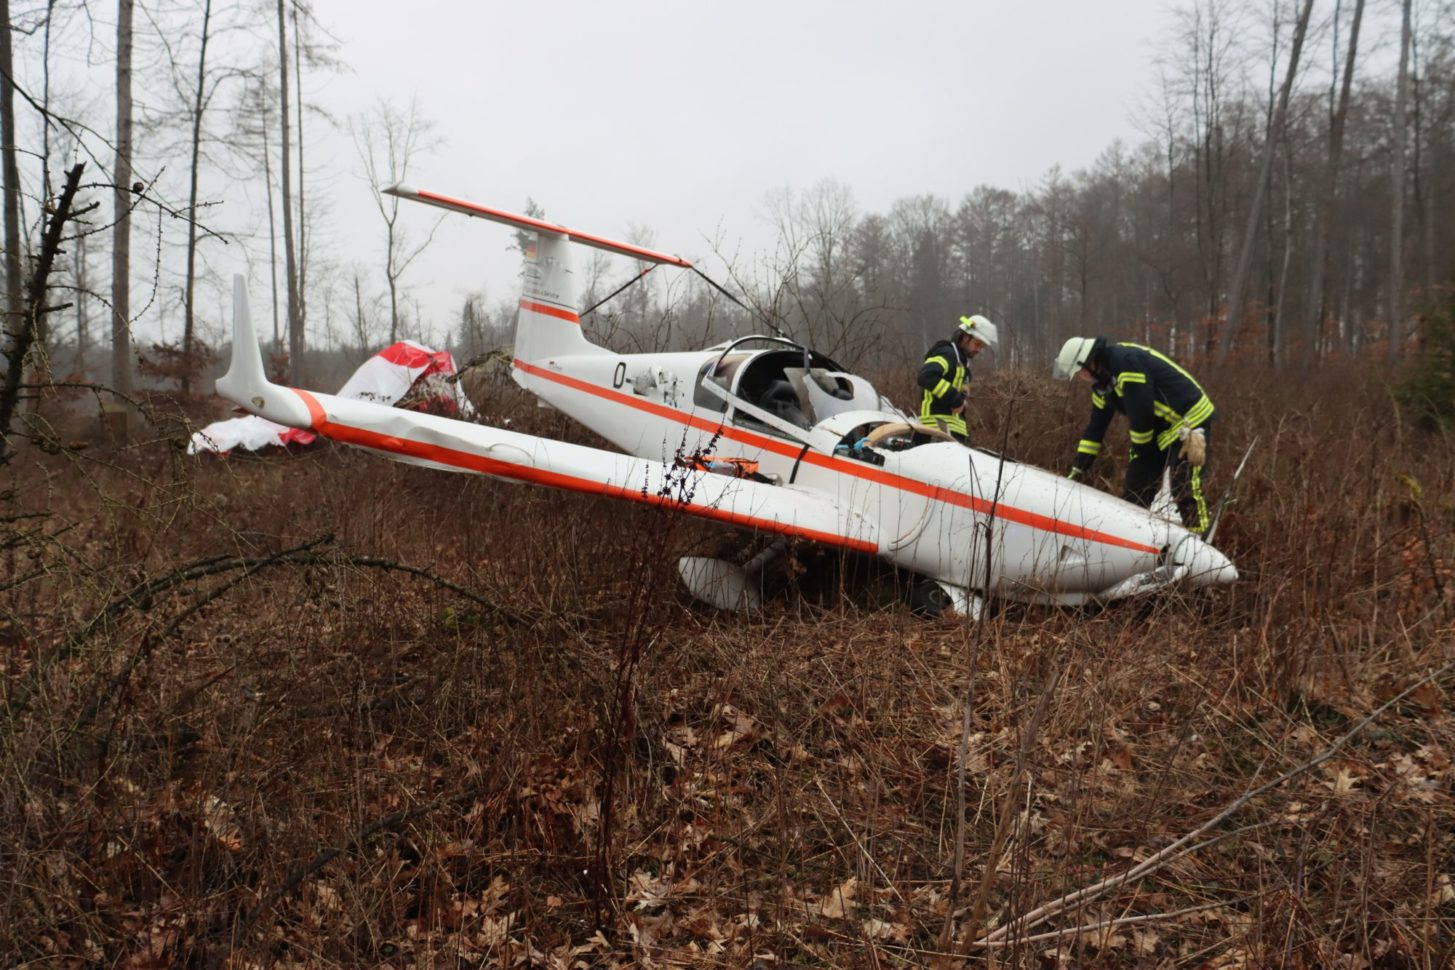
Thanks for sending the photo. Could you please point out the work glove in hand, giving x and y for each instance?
(1194, 446)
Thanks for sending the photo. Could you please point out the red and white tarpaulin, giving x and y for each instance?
(385, 378)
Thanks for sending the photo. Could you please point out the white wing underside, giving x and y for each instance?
(453, 445)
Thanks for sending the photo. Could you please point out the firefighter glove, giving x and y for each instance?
(1194, 446)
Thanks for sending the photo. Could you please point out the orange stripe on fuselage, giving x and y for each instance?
(490, 466)
(841, 466)
(570, 316)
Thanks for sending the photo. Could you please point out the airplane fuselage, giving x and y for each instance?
(833, 461)
(940, 507)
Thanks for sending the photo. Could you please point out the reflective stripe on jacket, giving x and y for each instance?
(1152, 390)
(941, 377)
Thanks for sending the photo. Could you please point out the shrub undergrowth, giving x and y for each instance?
(323, 710)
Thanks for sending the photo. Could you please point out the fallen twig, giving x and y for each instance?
(1094, 927)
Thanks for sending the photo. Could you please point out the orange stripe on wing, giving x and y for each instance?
(471, 461)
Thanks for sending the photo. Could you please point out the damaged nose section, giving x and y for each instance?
(1192, 561)
(1205, 565)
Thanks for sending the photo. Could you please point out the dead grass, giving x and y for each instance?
(225, 746)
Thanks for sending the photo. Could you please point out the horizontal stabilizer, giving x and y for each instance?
(537, 225)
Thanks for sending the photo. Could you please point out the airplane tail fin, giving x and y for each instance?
(549, 322)
(245, 377)
(246, 382)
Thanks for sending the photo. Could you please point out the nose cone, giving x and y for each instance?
(1205, 565)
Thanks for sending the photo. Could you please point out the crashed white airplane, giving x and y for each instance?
(767, 435)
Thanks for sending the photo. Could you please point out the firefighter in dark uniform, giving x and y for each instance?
(945, 375)
(1169, 414)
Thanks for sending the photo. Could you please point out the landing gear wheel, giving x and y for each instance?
(927, 599)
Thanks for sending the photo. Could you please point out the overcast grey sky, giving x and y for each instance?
(681, 117)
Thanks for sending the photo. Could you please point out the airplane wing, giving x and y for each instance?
(445, 443)
(439, 442)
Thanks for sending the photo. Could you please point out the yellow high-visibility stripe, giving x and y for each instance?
(953, 378)
(952, 423)
(929, 416)
(1200, 500)
(1092, 448)
(1165, 412)
(1098, 401)
(1197, 415)
(1129, 377)
(1141, 437)
(1164, 359)
(1200, 411)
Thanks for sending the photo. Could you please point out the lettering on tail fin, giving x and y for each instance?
(548, 324)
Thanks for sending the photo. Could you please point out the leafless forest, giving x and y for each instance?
(315, 709)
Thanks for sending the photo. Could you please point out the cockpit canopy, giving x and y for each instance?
(787, 380)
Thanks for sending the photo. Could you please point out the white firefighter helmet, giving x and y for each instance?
(1074, 354)
(981, 329)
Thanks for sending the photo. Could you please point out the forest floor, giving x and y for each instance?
(321, 710)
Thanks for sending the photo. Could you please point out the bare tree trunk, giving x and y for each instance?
(272, 227)
(1350, 329)
(1238, 288)
(83, 325)
(1270, 300)
(1396, 192)
(1240, 274)
(121, 230)
(393, 310)
(361, 324)
(295, 320)
(1210, 168)
(1424, 188)
(1429, 203)
(1276, 335)
(11, 173)
(400, 136)
(302, 209)
(189, 314)
(1318, 289)
(23, 329)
